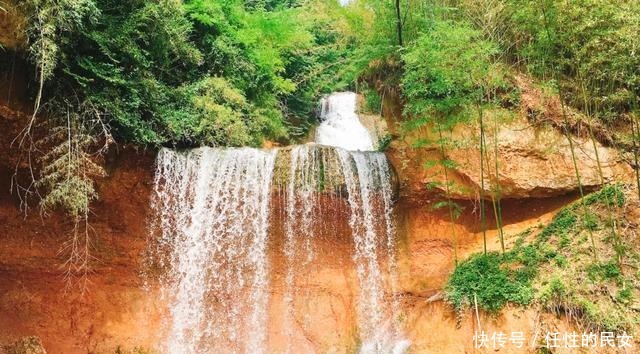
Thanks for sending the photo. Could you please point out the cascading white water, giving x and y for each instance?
(301, 209)
(367, 178)
(364, 180)
(213, 209)
(214, 218)
(368, 182)
(340, 125)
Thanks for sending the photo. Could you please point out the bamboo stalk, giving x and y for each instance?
(567, 133)
(495, 197)
(603, 182)
(483, 220)
(448, 196)
(498, 192)
(635, 137)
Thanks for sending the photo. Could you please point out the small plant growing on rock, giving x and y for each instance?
(485, 279)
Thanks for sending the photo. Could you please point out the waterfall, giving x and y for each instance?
(367, 178)
(302, 208)
(214, 214)
(363, 179)
(340, 124)
(214, 224)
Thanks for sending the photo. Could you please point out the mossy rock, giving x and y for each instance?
(318, 166)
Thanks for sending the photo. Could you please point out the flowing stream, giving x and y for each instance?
(215, 210)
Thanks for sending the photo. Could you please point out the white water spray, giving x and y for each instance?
(340, 124)
(213, 209)
(364, 180)
(214, 213)
(367, 178)
(368, 181)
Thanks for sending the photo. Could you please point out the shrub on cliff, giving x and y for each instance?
(485, 280)
(554, 268)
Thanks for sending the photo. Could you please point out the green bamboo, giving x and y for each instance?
(567, 133)
(635, 138)
(603, 182)
(483, 220)
(585, 211)
(495, 197)
(498, 192)
(448, 195)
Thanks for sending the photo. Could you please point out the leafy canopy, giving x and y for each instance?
(149, 66)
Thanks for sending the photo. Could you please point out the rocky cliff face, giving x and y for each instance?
(117, 312)
(35, 298)
(534, 157)
(537, 162)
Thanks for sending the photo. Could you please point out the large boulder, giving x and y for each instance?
(533, 161)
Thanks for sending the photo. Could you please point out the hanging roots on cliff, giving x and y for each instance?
(63, 177)
(67, 176)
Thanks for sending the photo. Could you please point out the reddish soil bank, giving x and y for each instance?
(35, 299)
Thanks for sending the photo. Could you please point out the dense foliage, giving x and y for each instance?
(484, 281)
(146, 64)
(591, 43)
(587, 48)
(201, 72)
(445, 70)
